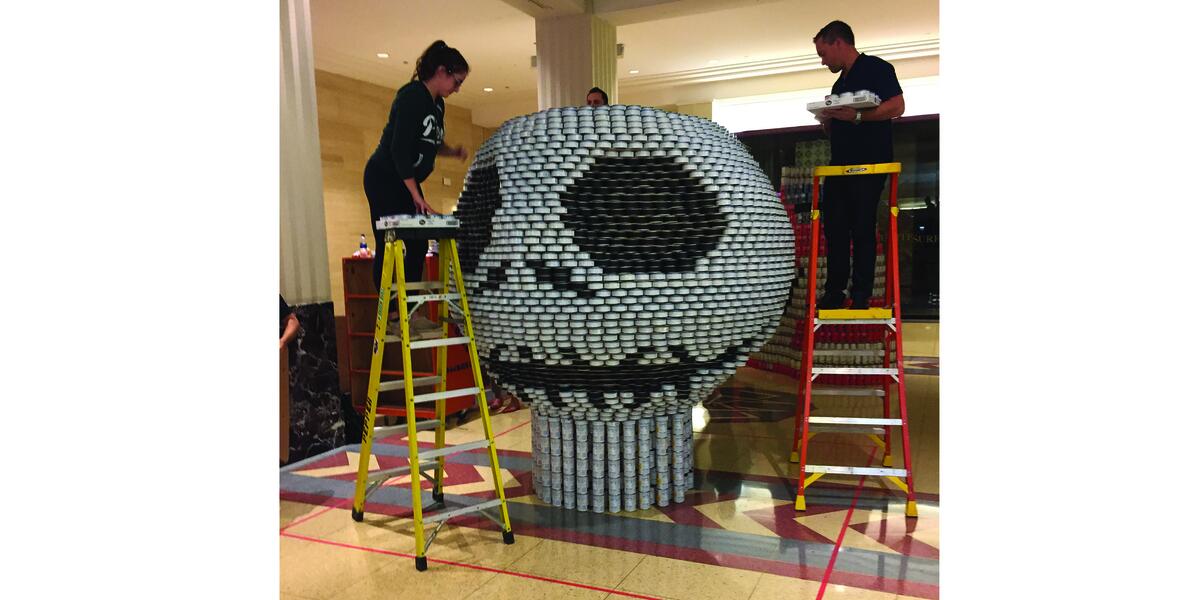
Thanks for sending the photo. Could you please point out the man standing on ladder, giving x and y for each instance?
(856, 137)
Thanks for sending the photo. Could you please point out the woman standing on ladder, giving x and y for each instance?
(410, 141)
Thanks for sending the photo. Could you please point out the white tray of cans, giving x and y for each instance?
(859, 99)
(417, 222)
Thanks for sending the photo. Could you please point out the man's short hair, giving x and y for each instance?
(597, 90)
(835, 30)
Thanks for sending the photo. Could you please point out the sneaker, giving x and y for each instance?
(831, 301)
(419, 328)
(422, 327)
(863, 304)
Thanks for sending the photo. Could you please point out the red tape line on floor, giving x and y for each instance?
(837, 547)
(468, 566)
(343, 503)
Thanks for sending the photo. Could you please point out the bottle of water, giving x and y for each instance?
(363, 251)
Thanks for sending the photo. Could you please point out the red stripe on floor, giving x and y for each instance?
(469, 566)
(837, 546)
(341, 504)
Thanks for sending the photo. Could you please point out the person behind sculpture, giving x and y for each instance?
(856, 137)
(411, 139)
(289, 328)
(597, 97)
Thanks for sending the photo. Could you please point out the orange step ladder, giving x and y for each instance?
(887, 320)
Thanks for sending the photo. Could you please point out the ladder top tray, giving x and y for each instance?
(850, 314)
(423, 224)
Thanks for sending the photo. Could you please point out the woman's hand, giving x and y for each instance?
(423, 207)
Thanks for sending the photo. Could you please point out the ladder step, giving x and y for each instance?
(438, 342)
(846, 391)
(876, 471)
(471, 391)
(852, 314)
(425, 425)
(434, 297)
(815, 428)
(868, 353)
(855, 321)
(854, 371)
(419, 285)
(817, 371)
(394, 471)
(854, 421)
(428, 454)
(398, 384)
(450, 514)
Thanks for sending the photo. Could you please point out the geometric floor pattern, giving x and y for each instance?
(736, 535)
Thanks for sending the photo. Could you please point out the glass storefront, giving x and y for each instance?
(781, 153)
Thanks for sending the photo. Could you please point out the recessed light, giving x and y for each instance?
(488, 89)
(382, 54)
(634, 71)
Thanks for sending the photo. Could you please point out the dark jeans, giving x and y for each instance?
(848, 205)
(387, 195)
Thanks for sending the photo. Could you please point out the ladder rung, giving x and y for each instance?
(854, 421)
(434, 297)
(471, 391)
(815, 428)
(846, 391)
(403, 428)
(855, 321)
(419, 285)
(438, 342)
(853, 371)
(394, 471)
(868, 353)
(398, 384)
(854, 314)
(436, 452)
(450, 514)
(876, 471)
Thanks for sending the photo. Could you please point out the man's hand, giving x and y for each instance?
(841, 113)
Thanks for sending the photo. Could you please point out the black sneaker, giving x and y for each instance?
(863, 304)
(831, 301)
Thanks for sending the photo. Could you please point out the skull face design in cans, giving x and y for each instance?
(620, 261)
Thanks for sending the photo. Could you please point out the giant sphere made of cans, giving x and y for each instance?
(620, 261)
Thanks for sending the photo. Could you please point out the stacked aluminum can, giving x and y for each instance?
(621, 263)
(612, 466)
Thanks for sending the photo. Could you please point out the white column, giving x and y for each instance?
(574, 54)
(303, 264)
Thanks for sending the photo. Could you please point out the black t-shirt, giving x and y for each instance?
(413, 134)
(868, 142)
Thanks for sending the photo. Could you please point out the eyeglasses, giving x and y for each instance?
(458, 82)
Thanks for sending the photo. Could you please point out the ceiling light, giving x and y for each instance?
(712, 62)
(381, 54)
(487, 89)
(634, 71)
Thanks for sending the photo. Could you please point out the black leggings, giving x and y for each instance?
(849, 204)
(387, 195)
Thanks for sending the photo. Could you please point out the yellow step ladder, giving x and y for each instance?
(443, 228)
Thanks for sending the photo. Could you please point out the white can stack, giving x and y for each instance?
(612, 466)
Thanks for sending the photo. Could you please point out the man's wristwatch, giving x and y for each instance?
(857, 117)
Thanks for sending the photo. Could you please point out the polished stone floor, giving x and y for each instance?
(737, 535)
